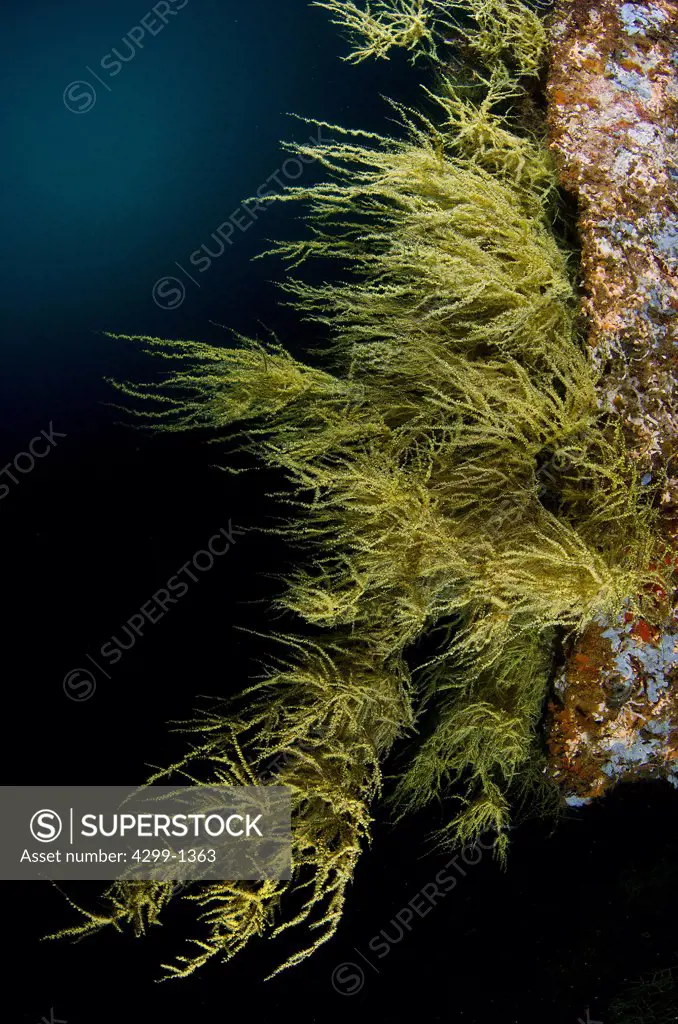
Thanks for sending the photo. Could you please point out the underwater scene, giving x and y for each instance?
(340, 511)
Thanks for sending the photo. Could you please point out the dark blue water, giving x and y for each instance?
(101, 202)
(117, 168)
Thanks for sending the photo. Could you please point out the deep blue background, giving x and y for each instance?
(96, 207)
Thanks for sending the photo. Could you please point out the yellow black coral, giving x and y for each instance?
(413, 462)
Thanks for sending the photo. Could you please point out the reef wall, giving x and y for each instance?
(613, 124)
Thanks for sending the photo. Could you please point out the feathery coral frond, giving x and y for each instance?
(414, 463)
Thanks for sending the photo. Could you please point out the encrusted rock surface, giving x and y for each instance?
(619, 714)
(613, 102)
(613, 122)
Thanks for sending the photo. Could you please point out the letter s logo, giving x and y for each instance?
(46, 826)
(169, 292)
(79, 97)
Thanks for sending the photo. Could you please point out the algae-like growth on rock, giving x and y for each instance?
(415, 458)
